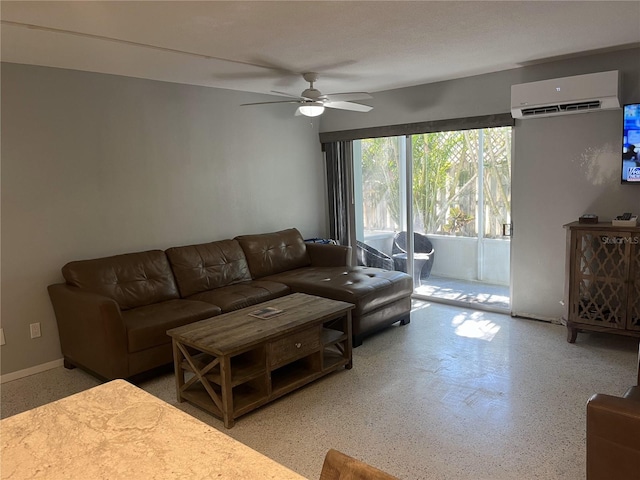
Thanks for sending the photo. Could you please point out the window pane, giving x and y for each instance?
(497, 180)
(445, 178)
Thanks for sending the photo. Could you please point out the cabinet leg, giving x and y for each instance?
(572, 334)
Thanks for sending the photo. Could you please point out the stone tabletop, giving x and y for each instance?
(118, 431)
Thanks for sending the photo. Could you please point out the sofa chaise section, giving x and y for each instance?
(381, 297)
(113, 313)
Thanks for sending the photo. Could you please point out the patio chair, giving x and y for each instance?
(372, 257)
(424, 255)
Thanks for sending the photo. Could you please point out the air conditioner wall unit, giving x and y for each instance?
(563, 96)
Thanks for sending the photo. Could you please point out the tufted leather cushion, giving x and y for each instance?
(132, 280)
(203, 267)
(271, 253)
(367, 288)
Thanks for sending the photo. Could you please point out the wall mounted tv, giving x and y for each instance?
(631, 144)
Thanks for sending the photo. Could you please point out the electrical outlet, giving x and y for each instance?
(35, 330)
(2, 342)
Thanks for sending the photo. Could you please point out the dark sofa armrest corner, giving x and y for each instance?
(327, 255)
(92, 332)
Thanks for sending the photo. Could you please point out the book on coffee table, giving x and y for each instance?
(266, 313)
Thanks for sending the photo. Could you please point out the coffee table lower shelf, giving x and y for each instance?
(249, 395)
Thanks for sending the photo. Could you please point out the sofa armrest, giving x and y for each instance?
(327, 255)
(613, 437)
(92, 332)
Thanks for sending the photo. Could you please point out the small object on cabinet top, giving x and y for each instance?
(626, 220)
(588, 218)
(266, 313)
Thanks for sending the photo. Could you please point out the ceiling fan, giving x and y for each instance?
(312, 102)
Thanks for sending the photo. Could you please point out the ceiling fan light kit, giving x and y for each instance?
(312, 102)
(311, 109)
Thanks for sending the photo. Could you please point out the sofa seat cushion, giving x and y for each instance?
(240, 295)
(365, 287)
(147, 326)
(206, 266)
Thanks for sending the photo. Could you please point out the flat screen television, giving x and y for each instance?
(631, 144)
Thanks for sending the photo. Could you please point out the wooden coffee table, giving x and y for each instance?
(234, 363)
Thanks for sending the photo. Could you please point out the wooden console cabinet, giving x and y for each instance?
(602, 283)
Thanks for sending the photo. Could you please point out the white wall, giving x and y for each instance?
(496, 261)
(457, 257)
(562, 166)
(96, 165)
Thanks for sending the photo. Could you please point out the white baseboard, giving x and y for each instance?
(531, 316)
(31, 371)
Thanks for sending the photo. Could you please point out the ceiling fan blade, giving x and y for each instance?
(267, 103)
(285, 94)
(347, 96)
(354, 107)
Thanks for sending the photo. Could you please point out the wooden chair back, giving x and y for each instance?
(338, 466)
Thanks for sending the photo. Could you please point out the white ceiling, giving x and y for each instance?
(262, 46)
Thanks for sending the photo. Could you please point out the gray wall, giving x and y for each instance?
(562, 166)
(96, 165)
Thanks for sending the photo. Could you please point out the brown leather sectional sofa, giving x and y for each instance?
(113, 312)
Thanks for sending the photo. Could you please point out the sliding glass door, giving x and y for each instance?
(451, 191)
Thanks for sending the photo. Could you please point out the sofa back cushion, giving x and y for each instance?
(203, 267)
(132, 279)
(271, 253)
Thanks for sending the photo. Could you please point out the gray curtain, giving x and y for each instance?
(339, 165)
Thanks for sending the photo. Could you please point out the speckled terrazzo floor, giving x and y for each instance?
(456, 394)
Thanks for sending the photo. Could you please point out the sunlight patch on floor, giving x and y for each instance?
(473, 325)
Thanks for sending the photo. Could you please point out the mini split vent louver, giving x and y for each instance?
(565, 108)
(562, 96)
